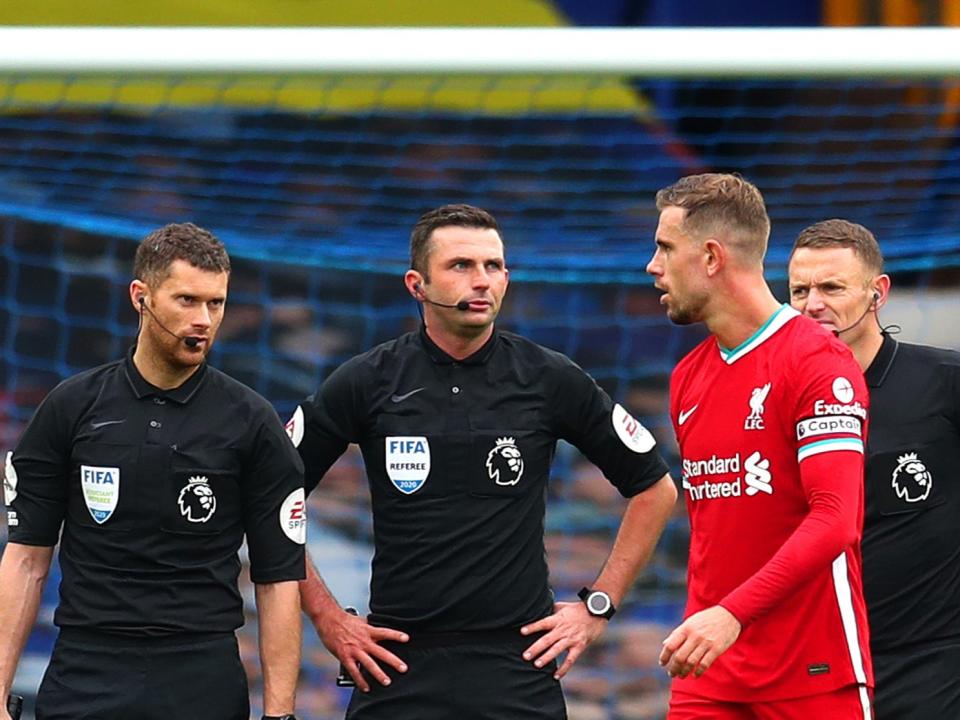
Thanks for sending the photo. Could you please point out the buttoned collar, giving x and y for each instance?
(877, 372)
(143, 389)
(480, 357)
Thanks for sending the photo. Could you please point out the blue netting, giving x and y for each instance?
(339, 190)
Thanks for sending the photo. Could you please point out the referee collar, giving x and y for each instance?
(480, 357)
(877, 372)
(143, 389)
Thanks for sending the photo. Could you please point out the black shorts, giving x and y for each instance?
(918, 684)
(92, 676)
(483, 677)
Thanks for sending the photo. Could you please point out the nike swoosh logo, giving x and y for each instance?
(96, 425)
(401, 398)
(684, 414)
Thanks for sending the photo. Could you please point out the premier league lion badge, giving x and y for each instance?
(911, 479)
(196, 501)
(504, 462)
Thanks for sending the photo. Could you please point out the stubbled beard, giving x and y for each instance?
(682, 316)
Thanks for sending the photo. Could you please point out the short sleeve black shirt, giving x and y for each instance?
(911, 538)
(154, 491)
(458, 456)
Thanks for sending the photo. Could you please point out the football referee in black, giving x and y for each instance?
(911, 536)
(150, 471)
(458, 423)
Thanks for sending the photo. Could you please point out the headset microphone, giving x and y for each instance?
(190, 342)
(873, 302)
(462, 306)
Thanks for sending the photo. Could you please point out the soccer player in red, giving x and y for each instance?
(770, 413)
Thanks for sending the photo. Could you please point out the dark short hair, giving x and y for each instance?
(835, 233)
(459, 215)
(178, 241)
(722, 201)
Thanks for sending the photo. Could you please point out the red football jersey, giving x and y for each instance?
(771, 439)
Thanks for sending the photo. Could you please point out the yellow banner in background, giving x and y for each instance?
(327, 94)
(309, 94)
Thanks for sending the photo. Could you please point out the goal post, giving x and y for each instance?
(695, 53)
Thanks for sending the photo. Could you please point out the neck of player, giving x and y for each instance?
(152, 364)
(733, 316)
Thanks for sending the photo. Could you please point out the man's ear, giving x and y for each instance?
(138, 293)
(881, 290)
(413, 281)
(715, 256)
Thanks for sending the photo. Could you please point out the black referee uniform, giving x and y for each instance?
(911, 539)
(154, 490)
(458, 456)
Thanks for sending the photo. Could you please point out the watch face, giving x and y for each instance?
(598, 603)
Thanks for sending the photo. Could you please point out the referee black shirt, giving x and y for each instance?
(911, 538)
(155, 490)
(458, 455)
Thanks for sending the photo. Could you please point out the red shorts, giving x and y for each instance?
(852, 702)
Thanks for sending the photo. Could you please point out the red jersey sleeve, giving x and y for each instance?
(830, 415)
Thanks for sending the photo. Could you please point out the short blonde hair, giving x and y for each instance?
(722, 203)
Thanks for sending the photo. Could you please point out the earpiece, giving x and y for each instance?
(141, 300)
(876, 296)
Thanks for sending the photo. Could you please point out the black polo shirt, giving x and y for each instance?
(154, 490)
(458, 456)
(911, 538)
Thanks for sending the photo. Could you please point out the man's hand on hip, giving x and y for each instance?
(570, 628)
(356, 643)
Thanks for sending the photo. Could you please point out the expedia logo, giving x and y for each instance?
(824, 408)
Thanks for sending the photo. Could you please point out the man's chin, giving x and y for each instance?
(680, 317)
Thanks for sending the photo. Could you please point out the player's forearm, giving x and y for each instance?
(278, 605)
(830, 527)
(643, 522)
(23, 571)
(317, 600)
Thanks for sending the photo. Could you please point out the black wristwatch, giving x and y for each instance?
(598, 603)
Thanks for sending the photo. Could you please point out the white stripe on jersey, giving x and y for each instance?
(781, 317)
(865, 703)
(841, 585)
(835, 444)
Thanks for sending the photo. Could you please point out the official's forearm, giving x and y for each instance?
(23, 571)
(317, 600)
(643, 522)
(278, 605)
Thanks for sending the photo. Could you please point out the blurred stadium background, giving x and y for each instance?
(314, 181)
